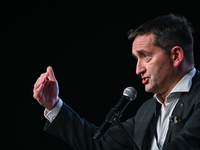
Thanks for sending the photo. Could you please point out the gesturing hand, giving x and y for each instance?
(46, 89)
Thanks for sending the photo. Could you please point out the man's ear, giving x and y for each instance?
(177, 55)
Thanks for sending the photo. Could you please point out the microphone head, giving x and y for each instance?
(130, 92)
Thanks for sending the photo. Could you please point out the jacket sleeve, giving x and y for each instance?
(78, 132)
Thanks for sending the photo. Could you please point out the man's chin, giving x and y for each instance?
(148, 89)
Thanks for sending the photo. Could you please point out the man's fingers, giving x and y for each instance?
(37, 91)
(51, 74)
(41, 80)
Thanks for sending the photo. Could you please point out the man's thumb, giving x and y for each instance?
(51, 75)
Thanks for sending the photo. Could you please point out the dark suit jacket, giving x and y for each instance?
(184, 135)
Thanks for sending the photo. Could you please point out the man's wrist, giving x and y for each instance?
(51, 114)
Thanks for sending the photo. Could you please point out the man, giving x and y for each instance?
(170, 120)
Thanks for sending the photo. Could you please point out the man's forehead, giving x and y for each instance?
(144, 38)
(142, 41)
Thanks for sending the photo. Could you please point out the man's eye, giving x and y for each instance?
(146, 56)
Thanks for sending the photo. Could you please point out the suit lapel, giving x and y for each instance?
(143, 122)
(178, 112)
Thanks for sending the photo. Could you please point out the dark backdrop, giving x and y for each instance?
(86, 44)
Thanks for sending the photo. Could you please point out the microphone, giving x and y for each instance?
(129, 94)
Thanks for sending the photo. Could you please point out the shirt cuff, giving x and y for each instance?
(54, 112)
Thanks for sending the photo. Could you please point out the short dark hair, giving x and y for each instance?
(169, 31)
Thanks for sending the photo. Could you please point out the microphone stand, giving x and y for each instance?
(118, 122)
(112, 118)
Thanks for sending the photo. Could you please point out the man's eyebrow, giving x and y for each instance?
(142, 51)
(139, 52)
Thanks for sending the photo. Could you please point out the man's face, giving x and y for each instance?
(155, 67)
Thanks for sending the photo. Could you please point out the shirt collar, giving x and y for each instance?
(183, 85)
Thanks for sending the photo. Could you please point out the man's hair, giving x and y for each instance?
(169, 31)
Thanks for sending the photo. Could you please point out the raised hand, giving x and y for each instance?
(46, 89)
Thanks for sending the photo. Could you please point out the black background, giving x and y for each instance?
(86, 44)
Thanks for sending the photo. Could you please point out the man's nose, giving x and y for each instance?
(140, 68)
